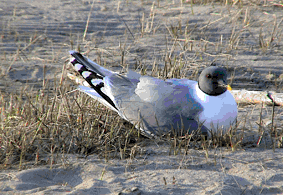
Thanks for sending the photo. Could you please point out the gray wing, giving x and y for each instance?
(154, 105)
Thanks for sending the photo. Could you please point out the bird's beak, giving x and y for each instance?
(229, 88)
(221, 83)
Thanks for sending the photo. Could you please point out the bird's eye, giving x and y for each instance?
(208, 76)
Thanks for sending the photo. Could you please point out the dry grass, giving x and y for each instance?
(40, 127)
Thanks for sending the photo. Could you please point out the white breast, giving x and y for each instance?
(219, 112)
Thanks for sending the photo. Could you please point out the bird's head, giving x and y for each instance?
(213, 80)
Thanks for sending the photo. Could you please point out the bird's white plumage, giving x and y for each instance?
(92, 93)
(220, 112)
(86, 74)
(78, 67)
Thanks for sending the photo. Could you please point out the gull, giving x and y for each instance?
(158, 107)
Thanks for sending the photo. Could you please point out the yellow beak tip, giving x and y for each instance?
(229, 88)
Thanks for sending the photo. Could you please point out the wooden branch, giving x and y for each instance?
(256, 97)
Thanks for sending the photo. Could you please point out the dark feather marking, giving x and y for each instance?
(88, 79)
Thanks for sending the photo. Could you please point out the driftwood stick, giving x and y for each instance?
(256, 97)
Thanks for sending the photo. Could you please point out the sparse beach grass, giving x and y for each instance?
(38, 126)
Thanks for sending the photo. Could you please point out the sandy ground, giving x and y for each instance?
(250, 171)
(36, 36)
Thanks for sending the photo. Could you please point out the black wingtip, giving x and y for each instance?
(80, 59)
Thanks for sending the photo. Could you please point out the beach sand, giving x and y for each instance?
(250, 171)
